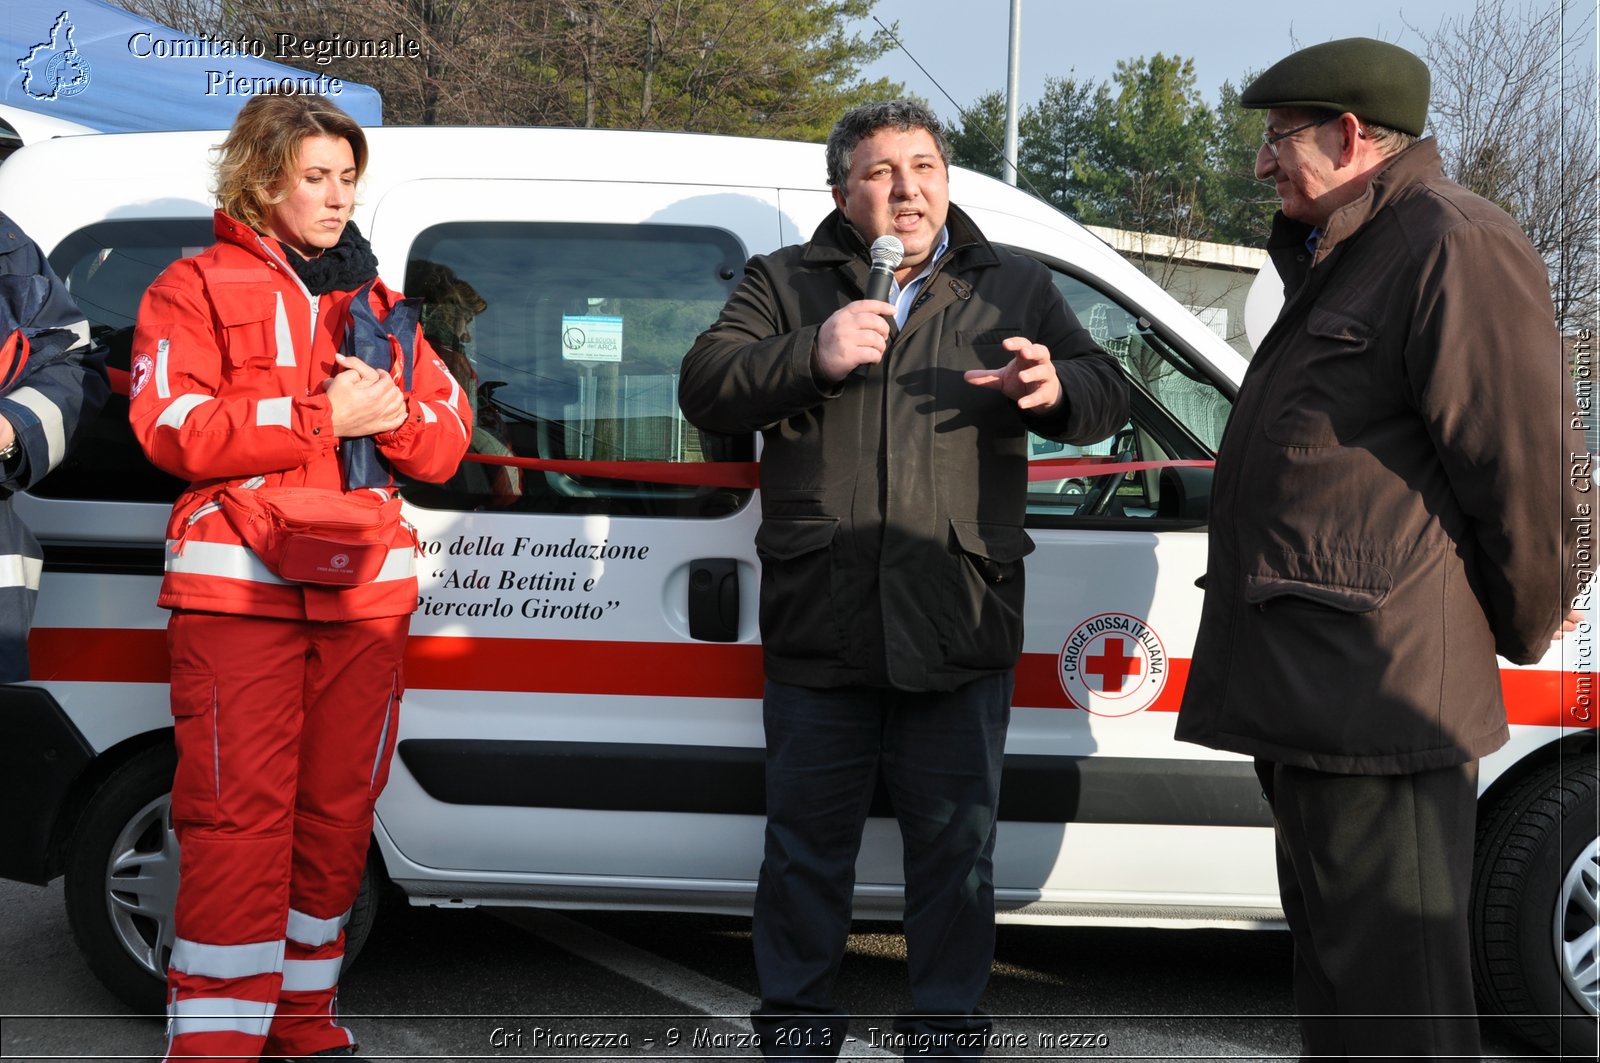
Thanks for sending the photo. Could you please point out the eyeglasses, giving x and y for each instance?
(1270, 140)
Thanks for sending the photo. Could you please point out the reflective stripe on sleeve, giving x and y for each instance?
(49, 414)
(221, 1015)
(227, 961)
(454, 416)
(274, 412)
(307, 976)
(20, 570)
(80, 333)
(309, 930)
(178, 409)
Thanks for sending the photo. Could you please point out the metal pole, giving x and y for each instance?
(1013, 73)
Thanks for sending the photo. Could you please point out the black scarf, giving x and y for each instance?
(344, 267)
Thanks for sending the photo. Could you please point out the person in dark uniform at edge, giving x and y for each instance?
(52, 379)
(893, 488)
(1389, 513)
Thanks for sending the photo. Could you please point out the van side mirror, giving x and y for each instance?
(1184, 494)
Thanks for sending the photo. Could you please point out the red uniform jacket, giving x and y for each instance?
(229, 361)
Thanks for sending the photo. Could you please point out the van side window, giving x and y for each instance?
(567, 338)
(107, 266)
(1176, 417)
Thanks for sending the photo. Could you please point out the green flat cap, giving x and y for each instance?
(1371, 79)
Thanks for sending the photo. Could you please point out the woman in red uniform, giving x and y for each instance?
(290, 573)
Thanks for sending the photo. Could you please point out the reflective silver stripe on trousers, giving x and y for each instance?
(304, 976)
(20, 570)
(383, 736)
(309, 930)
(221, 1015)
(227, 961)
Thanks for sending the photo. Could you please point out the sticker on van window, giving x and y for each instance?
(591, 339)
(1112, 665)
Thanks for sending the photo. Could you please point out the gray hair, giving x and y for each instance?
(1387, 140)
(859, 123)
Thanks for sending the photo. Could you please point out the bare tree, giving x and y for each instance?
(783, 68)
(1514, 112)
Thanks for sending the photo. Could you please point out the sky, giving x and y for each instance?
(964, 43)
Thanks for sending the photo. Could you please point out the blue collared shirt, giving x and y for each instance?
(902, 298)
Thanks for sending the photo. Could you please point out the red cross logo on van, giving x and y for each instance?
(1112, 665)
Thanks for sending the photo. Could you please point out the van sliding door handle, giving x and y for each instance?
(714, 599)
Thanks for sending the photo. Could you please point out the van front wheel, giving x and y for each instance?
(1536, 906)
(122, 882)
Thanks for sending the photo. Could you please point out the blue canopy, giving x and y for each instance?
(90, 62)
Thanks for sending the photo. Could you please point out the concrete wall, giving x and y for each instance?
(1211, 280)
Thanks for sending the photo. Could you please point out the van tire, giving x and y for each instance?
(122, 880)
(1536, 847)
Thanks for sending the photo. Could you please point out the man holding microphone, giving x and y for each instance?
(893, 490)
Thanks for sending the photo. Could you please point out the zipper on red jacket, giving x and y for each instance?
(206, 509)
(278, 263)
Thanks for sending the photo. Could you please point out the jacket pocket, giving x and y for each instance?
(195, 784)
(798, 596)
(248, 316)
(985, 344)
(995, 550)
(1323, 392)
(982, 627)
(1261, 589)
(1340, 583)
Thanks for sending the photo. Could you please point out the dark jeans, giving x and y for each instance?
(1375, 873)
(940, 757)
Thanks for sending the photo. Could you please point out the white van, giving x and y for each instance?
(582, 726)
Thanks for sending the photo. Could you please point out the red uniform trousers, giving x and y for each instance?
(284, 732)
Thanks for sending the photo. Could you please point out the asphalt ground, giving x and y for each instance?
(479, 985)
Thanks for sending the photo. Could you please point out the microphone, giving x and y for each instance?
(887, 253)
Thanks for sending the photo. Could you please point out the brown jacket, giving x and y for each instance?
(1391, 501)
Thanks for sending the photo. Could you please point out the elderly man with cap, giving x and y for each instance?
(1389, 513)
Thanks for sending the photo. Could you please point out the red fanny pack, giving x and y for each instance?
(308, 535)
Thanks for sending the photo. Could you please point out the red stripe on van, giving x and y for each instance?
(1534, 698)
(561, 666)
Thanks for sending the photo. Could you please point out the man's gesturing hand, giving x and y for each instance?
(856, 334)
(1029, 379)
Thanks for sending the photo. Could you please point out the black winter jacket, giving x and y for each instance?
(892, 535)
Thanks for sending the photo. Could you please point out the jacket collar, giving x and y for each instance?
(838, 243)
(1416, 165)
(230, 230)
(236, 232)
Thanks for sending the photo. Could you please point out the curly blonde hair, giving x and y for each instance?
(263, 149)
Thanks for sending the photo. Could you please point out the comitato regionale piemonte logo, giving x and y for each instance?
(54, 69)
